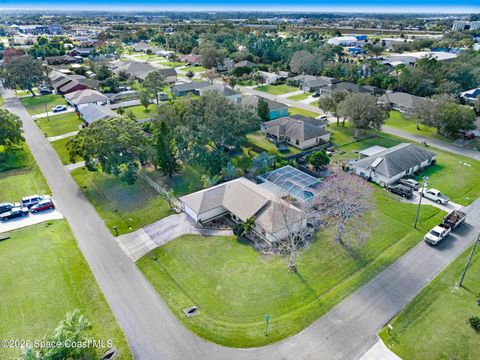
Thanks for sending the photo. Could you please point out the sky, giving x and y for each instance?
(416, 6)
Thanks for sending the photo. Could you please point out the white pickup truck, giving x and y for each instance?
(450, 222)
(434, 195)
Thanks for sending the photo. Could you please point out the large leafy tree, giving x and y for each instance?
(167, 160)
(455, 117)
(154, 83)
(363, 112)
(318, 159)
(330, 103)
(116, 146)
(263, 110)
(212, 57)
(23, 72)
(10, 129)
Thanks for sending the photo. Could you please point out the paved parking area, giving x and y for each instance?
(140, 242)
(449, 207)
(31, 219)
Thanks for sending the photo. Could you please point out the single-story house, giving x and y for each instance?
(403, 102)
(192, 59)
(91, 113)
(124, 96)
(470, 95)
(132, 69)
(140, 46)
(65, 84)
(240, 200)
(348, 87)
(314, 83)
(229, 93)
(83, 52)
(227, 65)
(276, 109)
(245, 63)
(170, 75)
(188, 88)
(390, 165)
(271, 78)
(299, 80)
(80, 98)
(63, 59)
(299, 131)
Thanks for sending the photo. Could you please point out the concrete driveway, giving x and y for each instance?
(449, 207)
(31, 219)
(140, 242)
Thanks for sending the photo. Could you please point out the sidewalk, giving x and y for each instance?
(42, 115)
(379, 352)
(63, 136)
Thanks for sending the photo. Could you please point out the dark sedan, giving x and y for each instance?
(14, 213)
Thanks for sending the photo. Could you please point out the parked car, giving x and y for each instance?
(59, 108)
(42, 206)
(162, 96)
(412, 184)
(31, 200)
(14, 213)
(434, 195)
(401, 190)
(315, 95)
(45, 91)
(5, 207)
(450, 222)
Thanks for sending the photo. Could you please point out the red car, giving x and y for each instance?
(42, 206)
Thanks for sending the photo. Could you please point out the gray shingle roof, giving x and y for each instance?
(299, 128)
(402, 99)
(396, 159)
(92, 112)
(190, 86)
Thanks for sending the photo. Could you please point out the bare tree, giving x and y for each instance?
(343, 201)
(210, 75)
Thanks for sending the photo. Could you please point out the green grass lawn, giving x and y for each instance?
(299, 97)
(43, 275)
(140, 112)
(194, 69)
(61, 149)
(172, 64)
(435, 324)
(186, 182)
(234, 286)
(454, 175)
(258, 138)
(276, 89)
(297, 111)
(20, 175)
(59, 124)
(36, 104)
(129, 207)
(397, 120)
(2, 102)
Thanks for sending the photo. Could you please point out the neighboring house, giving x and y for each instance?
(140, 46)
(170, 75)
(227, 65)
(300, 80)
(240, 200)
(387, 166)
(296, 130)
(65, 84)
(63, 59)
(245, 63)
(132, 69)
(229, 93)
(124, 96)
(83, 52)
(188, 88)
(471, 95)
(80, 98)
(403, 102)
(314, 83)
(412, 58)
(348, 87)
(276, 109)
(91, 113)
(272, 78)
(192, 59)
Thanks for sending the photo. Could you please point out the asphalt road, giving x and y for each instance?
(153, 332)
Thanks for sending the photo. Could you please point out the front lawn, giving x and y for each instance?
(297, 111)
(234, 286)
(60, 146)
(43, 275)
(435, 324)
(397, 120)
(299, 97)
(258, 138)
(276, 89)
(36, 104)
(140, 112)
(59, 124)
(172, 64)
(129, 207)
(20, 175)
(194, 69)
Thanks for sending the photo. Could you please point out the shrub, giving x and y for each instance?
(475, 323)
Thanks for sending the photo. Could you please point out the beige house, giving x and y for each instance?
(242, 199)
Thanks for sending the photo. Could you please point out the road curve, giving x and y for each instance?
(153, 332)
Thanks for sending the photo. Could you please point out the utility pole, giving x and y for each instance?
(267, 318)
(420, 195)
(467, 265)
